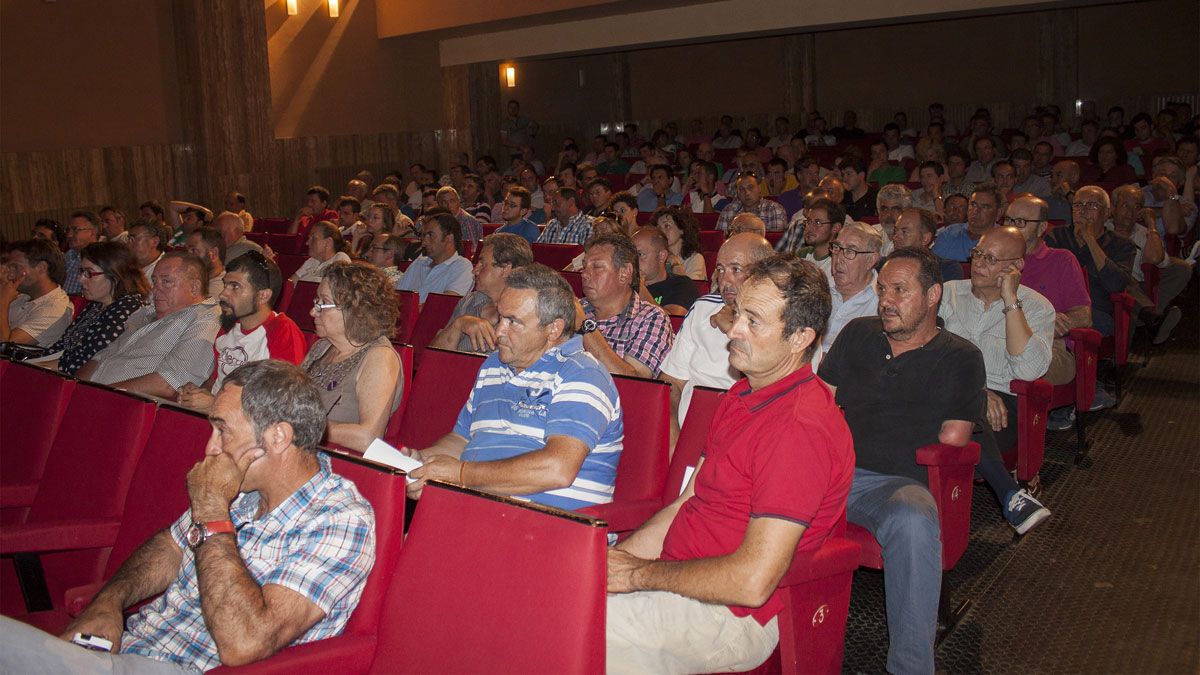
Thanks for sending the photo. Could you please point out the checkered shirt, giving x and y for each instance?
(793, 238)
(577, 230)
(771, 213)
(472, 229)
(641, 331)
(320, 543)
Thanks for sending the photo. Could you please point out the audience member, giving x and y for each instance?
(34, 309)
(114, 288)
(517, 131)
(472, 326)
(750, 200)
(514, 213)
(659, 193)
(675, 293)
(957, 161)
(112, 220)
(386, 253)
(168, 343)
(325, 247)
(624, 206)
(207, 244)
(852, 276)
(149, 241)
(570, 225)
(683, 242)
(703, 192)
(955, 242)
(440, 269)
(1028, 181)
(1174, 273)
(932, 175)
(315, 209)
(226, 598)
(84, 229)
(1108, 163)
(543, 420)
(235, 202)
(353, 363)
(50, 230)
(772, 481)
(1089, 133)
(890, 201)
(628, 335)
(823, 220)
(859, 199)
(746, 222)
(1064, 180)
(186, 217)
(917, 228)
(472, 200)
(599, 192)
(980, 170)
(236, 243)
(1170, 195)
(469, 226)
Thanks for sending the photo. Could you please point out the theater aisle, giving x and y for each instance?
(1111, 584)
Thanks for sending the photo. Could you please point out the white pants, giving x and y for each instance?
(658, 632)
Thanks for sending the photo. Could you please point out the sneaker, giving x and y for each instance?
(1102, 400)
(1170, 320)
(1061, 419)
(1023, 511)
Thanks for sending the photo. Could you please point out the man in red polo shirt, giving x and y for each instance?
(695, 588)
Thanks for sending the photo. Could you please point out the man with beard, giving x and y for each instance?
(250, 331)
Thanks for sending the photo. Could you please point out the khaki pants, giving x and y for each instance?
(1062, 364)
(658, 632)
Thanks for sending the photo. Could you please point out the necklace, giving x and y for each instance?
(327, 374)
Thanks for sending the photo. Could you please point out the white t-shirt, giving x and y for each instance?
(44, 319)
(236, 348)
(700, 354)
(312, 268)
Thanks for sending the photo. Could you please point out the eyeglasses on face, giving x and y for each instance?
(322, 306)
(980, 256)
(89, 274)
(1009, 221)
(847, 252)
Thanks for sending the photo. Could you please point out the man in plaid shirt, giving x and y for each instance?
(240, 575)
(625, 333)
(750, 200)
(571, 226)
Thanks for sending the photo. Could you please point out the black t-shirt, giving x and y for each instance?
(676, 289)
(863, 206)
(896, 405)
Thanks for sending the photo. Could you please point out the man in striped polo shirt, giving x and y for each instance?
(543, 420)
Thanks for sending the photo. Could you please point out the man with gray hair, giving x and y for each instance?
(234, 234)
(1170, 194)
(852, 277)
(472, 326)
(917, 228)
(543, 420)
(447, 198)
(1133, 221)
(891, 200)
(274, 549)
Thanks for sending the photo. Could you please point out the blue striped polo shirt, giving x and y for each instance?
(566, 393)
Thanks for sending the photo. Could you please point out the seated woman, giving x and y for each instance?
(1109, 164)
(683, 241)
(325, 247)
(114, 286)
(381, 219)
(353, 362)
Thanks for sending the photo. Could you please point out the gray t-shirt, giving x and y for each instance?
(473, 304)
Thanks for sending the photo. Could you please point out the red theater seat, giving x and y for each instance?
(279, 225)
(439, 391)
(33, 401)
(392, 434)
(528, 594)
(711, 240)
(707, 221)
(290, 244)
(300, 304)
(556, 256)
(289, 263)
(575, 279)
(434, 316)
(408, 304)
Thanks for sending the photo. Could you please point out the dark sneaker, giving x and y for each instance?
(1102, 400)
(1170, 321)
(1023, 511)
(1061, 419)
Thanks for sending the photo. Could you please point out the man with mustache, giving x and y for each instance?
(250, 330)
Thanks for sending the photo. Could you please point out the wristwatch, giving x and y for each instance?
(1016, 305)
(588, 326)
(199, 532)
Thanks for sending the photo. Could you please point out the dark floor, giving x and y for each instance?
(1111, 583)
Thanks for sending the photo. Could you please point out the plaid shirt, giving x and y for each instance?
(320, 543)
(472, 229)
(771, 213)
(641, 331)
(577, 230)
(793, 238)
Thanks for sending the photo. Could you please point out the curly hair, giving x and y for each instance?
(366, 298)
(686, 222)
(117, 262)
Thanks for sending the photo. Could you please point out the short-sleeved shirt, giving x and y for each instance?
(896, 404)
(452, 275)
(863, 206)
(525, 228)
(700, 354)
(472, 229)
(179, 346)
(472, 304)
(783, 451)
(1116, 274)
(44, 319)
(674, 289)
(845, 310)
(319, 542)
(641, 331)
(577, 230)
(647, 201)
(241, 247)
(965, 316)
(312, 269)
(97, 326)
(771, 213)
(1056, 275)
(954, 242)
(73, 261)
(278, 337)
(567, 392)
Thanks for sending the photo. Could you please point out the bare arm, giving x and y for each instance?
(375, 388)
(549, 468)
(1153, 253)
(8, 293)
(646, 542)
(597, 346)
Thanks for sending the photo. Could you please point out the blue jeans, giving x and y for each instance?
(902, 515)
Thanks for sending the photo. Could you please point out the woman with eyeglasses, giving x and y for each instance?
(683, 241)
(115, 288)
(353, 363)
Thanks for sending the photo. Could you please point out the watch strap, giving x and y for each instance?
(218, 527)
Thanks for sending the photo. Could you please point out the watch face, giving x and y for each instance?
(195, 535)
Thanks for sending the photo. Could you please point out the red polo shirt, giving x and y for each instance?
(783, 451)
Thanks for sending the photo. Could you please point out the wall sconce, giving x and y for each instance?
(333, 9)
(292, 9)
(510, 76)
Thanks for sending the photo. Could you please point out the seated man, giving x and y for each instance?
(1012, 325)
(1027, 180)
(325, 247)
(274, 550)
(469, 226)
(890, 201)
(599, 192)
(822, 223)
(750, 200)
(315, 209)
(852, 278)
(955, 241)
(917, 227)
(83, 229)
(149, 241)
(570, 224)
(1064, 180)
(700, 355)
(904, 384)
(658, 194)
(236, 243)
(746, 222)
(701, 186)
(440, 269)
(675, 293)
(543, 420)
(168, 343)
(34, 309)
(472, 326)
(695, 589)
(250, 329)
(628, 335)
(514, 213)
(859, 199)
(1174, 273)
(207, 244)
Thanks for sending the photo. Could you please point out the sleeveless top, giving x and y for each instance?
(337, 381)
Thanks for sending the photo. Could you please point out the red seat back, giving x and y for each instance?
(260, 238)
(702, 286)
(392, 434)
(291, 244)
(289, 263)
(556, 256)
(440, 388)
(528, 589)
(575, 281)
(676, 322)
(272, 224)
(434, 316)
(774, 237)
(646, 406)
(299, 307)
(707, 221)
(33, 401)
(711, 240)
(408, 304)
(693, 434)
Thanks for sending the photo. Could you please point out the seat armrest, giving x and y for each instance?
(624, 516)
(836, 555)
(16, 495)
(1086, 346)
(1038, 389)
(64, 535)
(1123, 300)
(1085, 337)
(941, 454)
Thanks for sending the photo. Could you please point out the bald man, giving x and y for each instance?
(747, 222)
(232, 231)
(700, 355)
(1064, 180)
(1013, 326)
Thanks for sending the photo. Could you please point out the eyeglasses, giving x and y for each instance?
(980, 256)
(322, 306)
(89, 274)
(823, 223)
(1086, 206)
(847, 252)
(1009, 221)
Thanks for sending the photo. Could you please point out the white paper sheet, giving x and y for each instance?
(687, 476)
(382, 452)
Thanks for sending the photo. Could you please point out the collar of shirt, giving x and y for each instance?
(757, 399)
